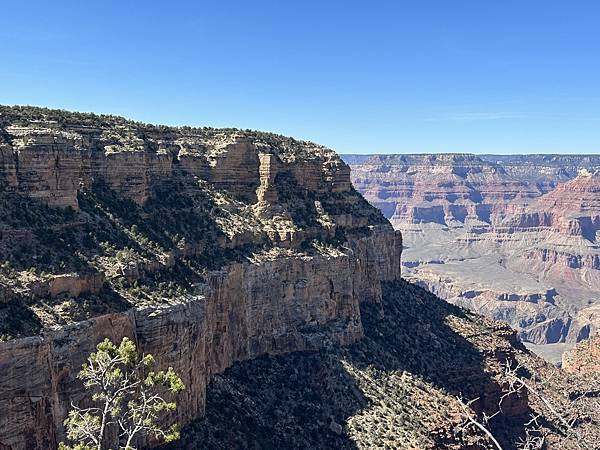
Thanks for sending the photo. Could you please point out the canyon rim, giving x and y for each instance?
(249, 263)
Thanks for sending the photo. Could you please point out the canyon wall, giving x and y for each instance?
(211, 247)
(247, 310)
(206, 247)
(510, 237)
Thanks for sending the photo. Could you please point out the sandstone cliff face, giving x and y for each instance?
(442, 189)
(514, 238)
(53, 159)
(247, 310)
(211, 247)
(207, 247)
(397, 387)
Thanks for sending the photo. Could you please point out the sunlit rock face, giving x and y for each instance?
(584, 358)
(511, 237)
(205, 246)
(219, 251)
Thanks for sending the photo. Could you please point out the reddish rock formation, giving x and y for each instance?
(210, 247)
(51, 159)
(247, 310)
(437, 188)
(584, 358)
(207, 247)
(510, 237)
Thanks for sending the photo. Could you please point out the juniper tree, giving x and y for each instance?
(128, 400)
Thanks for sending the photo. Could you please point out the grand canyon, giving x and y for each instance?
(294, 312)
(514, 238)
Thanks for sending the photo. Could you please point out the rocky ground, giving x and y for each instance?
(584, 358)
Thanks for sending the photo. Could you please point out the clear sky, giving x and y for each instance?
(361, 77)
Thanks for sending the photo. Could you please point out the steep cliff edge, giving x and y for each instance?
(248, 263)
(205, 246)
(395, 388)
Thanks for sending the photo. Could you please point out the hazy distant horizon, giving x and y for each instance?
(468, 153)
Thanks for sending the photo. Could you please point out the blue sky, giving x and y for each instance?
(361, 77)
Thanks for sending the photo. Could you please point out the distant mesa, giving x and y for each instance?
(509, 230)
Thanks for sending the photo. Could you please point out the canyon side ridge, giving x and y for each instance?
(205, 246)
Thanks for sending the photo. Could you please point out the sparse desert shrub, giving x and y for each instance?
(128, 397)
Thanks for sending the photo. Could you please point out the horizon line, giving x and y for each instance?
(467, 153)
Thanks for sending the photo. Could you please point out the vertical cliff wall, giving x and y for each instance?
(206, 247)
(281, 306)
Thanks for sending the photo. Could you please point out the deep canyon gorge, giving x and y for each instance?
(514, 238)
(292, 308)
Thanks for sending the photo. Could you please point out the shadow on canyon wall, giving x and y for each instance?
(302, 399)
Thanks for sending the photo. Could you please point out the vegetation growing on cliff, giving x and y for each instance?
(128, 398)
(68, 264)
(121, 129)
(398, 387)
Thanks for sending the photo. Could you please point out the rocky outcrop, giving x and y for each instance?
(73, 285)
(437, 188)
(246, 310)
(397, 387)
(572, 209)
(584, 358)
(267, 191)
(54, 156)
(207, 247)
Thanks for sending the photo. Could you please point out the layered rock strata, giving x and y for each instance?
(205, 246)
(246, 310)
(511, 237)
(54, 158)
